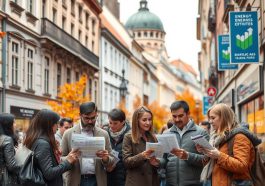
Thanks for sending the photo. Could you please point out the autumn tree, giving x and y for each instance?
(71, 95)
(195, 105)
(160, 115)
(137, 102)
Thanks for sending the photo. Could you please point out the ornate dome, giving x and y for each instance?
(144, 19)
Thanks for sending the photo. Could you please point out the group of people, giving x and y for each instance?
(188, 165)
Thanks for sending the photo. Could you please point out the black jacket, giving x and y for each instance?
(7, 155)
(47, 163)
(117, 176)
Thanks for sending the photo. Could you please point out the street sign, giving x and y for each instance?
(207, 103)
(224, 54)
(211, 91)
(244, 38)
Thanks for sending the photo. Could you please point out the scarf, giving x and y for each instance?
(116, 135)
(215, 141)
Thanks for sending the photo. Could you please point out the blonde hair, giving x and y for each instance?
(138, 113)
(227, 117)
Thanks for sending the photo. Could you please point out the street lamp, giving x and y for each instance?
(123, 86)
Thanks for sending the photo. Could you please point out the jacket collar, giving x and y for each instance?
(191, 127)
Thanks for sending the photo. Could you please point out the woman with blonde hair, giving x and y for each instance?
(141, 167)
(233, 154)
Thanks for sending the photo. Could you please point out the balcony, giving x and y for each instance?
(55, 34)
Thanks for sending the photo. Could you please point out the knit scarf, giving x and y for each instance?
(116, 135)
(215, 141)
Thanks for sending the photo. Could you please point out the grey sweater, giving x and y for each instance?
(184, 172)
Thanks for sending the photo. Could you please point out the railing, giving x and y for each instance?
(50, 30)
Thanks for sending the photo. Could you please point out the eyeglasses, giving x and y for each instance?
(89, 118)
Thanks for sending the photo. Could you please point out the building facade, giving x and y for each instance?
(48, 43)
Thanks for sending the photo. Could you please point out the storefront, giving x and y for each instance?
(23, 116)
(250, 99)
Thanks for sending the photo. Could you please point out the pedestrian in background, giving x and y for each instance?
(88, 171)
(141, 167)
(224, 167)
(64, 124)
(183, 166)
(40, 139)
(7, 145)
(206, 125)
(118, 127)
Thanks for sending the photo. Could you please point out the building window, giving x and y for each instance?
(30, 69)
(157, 35)
(46, 74)
(59, 76)
(87, 20)
(72, 29)
(93, 26)
(90, 87)
(80, 13)
(86, 41)
(15, 57)
(80, 35)
(151, 34)
(73, 7)
(63, 22)
(93, 46)
(68, 75)
(139, 34)
(145, 34)
(54, 15)
(76, 76)
(31, 6)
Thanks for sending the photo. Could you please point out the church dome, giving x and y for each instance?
(144, 19)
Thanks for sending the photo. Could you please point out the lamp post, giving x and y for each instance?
(123, 87)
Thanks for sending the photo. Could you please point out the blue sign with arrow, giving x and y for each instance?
(244, 40)
(224, 54)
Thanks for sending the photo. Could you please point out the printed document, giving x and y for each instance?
(157, 147)
(88, 145)
(202, 141)
(168, 141)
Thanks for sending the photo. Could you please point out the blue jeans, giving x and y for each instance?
(88, 181)
(207, 183)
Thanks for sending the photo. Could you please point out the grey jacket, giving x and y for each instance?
(184, 172)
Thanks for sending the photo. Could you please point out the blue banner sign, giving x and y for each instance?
(244, 40)
(224, 54)
(207, 103)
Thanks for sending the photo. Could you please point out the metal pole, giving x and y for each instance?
(4, 45)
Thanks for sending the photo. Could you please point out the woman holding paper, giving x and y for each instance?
(40, 139)
(141, 168)
(233, 155)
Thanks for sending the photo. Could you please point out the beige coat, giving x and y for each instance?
(139, 171)
(73, 176)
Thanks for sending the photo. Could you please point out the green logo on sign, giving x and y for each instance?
(226, 54)
(245, 41)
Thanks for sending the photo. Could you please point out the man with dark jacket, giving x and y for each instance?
(117, 129)
(183, 165)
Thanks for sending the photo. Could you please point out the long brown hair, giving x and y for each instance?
(227, 117)
(138, 113)
(42, 125)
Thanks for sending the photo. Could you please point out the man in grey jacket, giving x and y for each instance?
(183, 165)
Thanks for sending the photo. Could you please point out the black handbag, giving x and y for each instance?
(7, 178)
(30, 174)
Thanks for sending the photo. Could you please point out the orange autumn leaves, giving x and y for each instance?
(71, 95)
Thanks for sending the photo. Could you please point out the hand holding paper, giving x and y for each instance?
(202, 141)
(157, 149)
(168, 141)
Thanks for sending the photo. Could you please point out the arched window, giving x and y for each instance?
(151, 34)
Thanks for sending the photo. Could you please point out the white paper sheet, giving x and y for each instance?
(202, 141)
(168, 141)
(88, 145)
(157, 147)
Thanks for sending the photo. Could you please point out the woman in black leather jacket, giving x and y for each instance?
(40, 139)
(8, 141)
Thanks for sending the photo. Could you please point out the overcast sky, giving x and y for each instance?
(179, 21)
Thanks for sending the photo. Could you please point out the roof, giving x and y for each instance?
(183, 66)
(106, 24)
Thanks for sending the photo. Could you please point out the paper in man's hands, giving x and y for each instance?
(168, 141)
